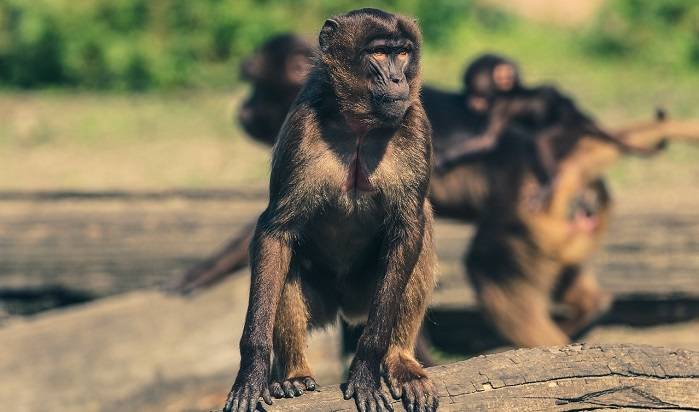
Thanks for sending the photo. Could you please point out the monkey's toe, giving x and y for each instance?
(407, 381)
(368, 399)
(419, 395)
(290, 388)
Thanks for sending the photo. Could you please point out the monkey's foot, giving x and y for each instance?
(364, 385)
(408, 381)
(292, 387)
(246, 392)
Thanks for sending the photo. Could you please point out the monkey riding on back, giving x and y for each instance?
(552, 120)
(348, 228)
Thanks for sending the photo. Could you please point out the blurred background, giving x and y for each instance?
(121, 165)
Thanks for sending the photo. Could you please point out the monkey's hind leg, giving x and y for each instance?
(405, 377)
(292, 375)
(521, 313)
(582, 293)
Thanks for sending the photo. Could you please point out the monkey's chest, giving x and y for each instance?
(339, 244)
(354, 165)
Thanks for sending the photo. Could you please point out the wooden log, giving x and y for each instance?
(575, 377)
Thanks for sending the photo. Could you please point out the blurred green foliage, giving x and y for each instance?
(646, 29)
(147, 44)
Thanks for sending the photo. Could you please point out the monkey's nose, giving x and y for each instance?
(396, 80)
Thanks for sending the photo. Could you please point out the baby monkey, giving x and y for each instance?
(548, 117)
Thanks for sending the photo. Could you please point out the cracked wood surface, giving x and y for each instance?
(571, 378)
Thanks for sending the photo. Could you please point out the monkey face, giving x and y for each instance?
(487, 77)
(584, 209)
(504, 77)
(283, 61)
(373, 60)
(384, 62)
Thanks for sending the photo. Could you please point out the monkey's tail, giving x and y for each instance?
(591, 158)
(596, 158)
(660, 131)
(218, 267)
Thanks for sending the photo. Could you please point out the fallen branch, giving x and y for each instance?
(575, 377)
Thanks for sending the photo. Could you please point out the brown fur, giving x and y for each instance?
(348, 227)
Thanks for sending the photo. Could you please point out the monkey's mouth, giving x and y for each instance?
(584, 221)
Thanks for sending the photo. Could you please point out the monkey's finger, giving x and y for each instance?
(277, 390)
(239, 405)
(310, 384)
(252, 404)
(267, 396)
(371, 405)
(299, 388)
(228, 405)
(246, 400)
(349, 391)
(233, 406)
(361, 403)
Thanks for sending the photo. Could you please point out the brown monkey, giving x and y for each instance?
(348, 227)
(553, 121)
(276, 71)
(523, 259)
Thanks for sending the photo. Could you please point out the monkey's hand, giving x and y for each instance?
(408, 381)
(251, 384)
(364, 384)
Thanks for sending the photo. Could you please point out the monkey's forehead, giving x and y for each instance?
(363, 25)
(389, 41)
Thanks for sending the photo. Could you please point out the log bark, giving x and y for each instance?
(571, 378)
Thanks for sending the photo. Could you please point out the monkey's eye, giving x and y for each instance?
(379, 54)
(403, 54)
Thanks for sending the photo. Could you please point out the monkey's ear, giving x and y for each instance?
(250, 68)
(326, 34)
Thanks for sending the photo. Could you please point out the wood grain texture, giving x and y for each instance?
(572, 378)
